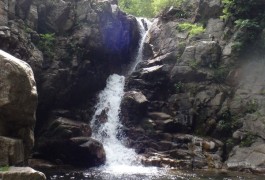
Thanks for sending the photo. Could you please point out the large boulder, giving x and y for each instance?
(68, 142)
(247, 158)
(18, 100)
(133, 106)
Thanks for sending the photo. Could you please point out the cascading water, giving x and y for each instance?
(143, 23)
(105, 123)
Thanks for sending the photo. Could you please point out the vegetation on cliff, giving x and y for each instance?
(249, 17)
(147, 8)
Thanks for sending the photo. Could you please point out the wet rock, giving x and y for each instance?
(18, 100)
(22, 173)
(67, 142)
(41, 164)
(76, 151)
(133, 106)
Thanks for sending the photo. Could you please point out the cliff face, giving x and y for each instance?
(72, 47)
(198, 93)
(192, 100)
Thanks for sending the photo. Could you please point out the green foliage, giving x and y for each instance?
(246, 23)
(146, 8)
(227, 123)
(159, 5)
(4, 168)
(248, 16)
(248, 140)
(193, 29)
(252, 106)
(46, 44)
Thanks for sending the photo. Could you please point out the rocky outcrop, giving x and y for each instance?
(18, 103)
(193, 87)
(98, 40)
(72, 47)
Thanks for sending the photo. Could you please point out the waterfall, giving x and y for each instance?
(144, 25)
(105, 122)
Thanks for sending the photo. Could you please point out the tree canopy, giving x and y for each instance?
(146, 8)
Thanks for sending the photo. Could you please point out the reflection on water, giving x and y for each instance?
(147, 173)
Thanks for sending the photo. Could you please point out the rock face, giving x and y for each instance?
(72, 47)
(186, 84)
(193, 87)
(18, 103)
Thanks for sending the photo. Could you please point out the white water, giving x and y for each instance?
(139, 55)
(106, 125)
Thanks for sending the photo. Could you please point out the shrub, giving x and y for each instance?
(46, 44)
(4, 168)
(193, 29)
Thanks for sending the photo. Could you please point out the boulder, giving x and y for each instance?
(76, 151)
(247, 158)
(18, 100)
(133, 106)
(68, 142)
(202, 54)
(22, 173)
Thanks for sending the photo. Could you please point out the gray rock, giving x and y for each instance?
(247, 158)
(215, 28)
(159, 116)
(133, 106)
(22, 173)
(11, 151)
(201, 54)
(3, 13)
(209, 9)
(186, 74)
(18, 100)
